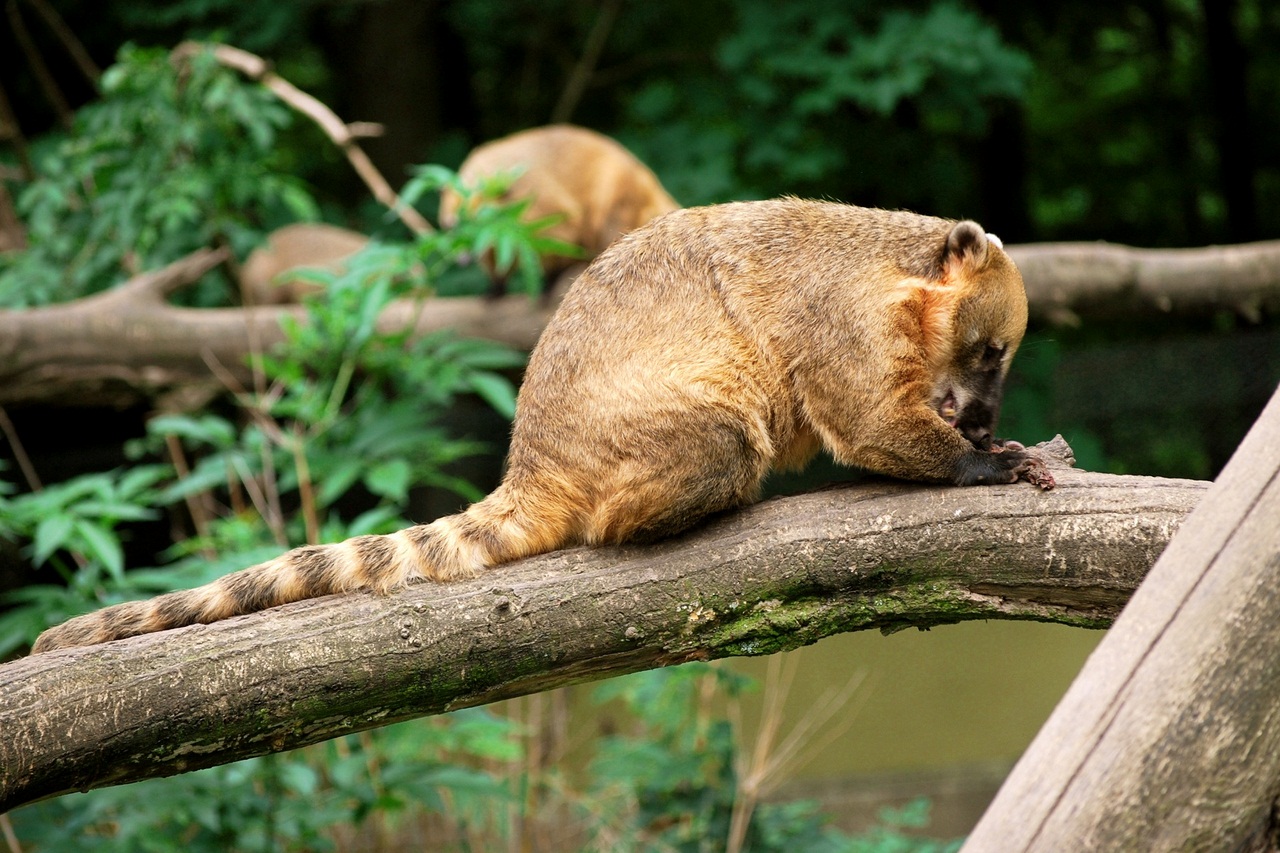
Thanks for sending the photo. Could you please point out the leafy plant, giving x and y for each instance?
(486, 228)
(810, 98)
(171, 159)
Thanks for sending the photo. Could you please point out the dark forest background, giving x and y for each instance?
(1151, 123)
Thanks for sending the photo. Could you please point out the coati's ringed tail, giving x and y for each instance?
(450, 548)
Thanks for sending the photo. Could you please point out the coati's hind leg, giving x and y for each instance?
(710, 468)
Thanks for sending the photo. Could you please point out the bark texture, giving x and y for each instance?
(776, 576)
(1169, 739)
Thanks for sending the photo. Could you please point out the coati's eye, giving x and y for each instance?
(993, 354)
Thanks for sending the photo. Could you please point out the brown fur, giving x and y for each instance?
(265, 277)
(599, 187)
(693, 357)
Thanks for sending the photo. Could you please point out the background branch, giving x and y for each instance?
(1069, 281)
(343, 135)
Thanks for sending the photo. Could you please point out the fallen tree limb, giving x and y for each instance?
(124, 345)
(129, 345)
(776, 576)
(1069, 281)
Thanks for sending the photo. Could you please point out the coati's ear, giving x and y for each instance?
(966, 250)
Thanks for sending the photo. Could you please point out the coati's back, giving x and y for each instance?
(692, 357)
(599, 187)
(264, 277)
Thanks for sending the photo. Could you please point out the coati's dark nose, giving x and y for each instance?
(979, 436)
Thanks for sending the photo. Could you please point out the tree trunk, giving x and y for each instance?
(1169, 739)
(776, 576)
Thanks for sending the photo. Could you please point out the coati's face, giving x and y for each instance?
(987, 325)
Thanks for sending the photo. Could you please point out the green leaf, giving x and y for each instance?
(102, 545)
(336, 481)
(390, 479)
(51, 535)
(496, 390)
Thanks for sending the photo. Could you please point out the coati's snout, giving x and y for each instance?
(974, 409)
(970, 401)
(977, 422)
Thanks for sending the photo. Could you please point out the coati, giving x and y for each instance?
(691, 358)
(599, 187)
(264, 278)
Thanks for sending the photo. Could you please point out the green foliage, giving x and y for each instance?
(169, 160)
(791, 80)
(486, 228)
(292, 801)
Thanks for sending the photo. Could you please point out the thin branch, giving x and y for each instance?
(256, 68)
(10, 130)
(66, 116)
(72, 45)
(585, 67)
(13, 236)
(19, 453)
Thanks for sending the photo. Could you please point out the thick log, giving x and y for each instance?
(1169, 739)
(776, 576)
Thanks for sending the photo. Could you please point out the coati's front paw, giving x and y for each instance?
(991, 467)
(1005, 462)
(1030, 468)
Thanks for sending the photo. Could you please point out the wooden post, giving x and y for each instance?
(1169, 739)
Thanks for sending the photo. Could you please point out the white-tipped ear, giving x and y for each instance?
(966, 248)
(994, 240)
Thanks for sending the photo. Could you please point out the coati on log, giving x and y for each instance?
(600, 188)
(692, 357)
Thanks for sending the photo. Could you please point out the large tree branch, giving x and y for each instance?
(776, 576)
(126, 344)
(1067, 281)
(129, 344)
